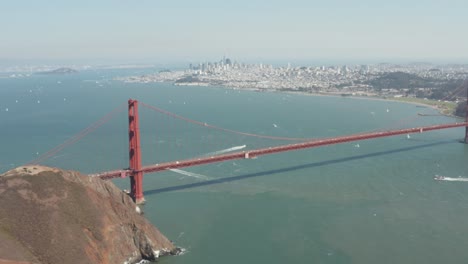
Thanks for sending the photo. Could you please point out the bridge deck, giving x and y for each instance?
(265, 151)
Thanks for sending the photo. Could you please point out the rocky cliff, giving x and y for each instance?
(49, 215)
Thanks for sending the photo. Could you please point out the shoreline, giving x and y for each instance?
(448, 110)
(430, 103)
(373, 98)
(442, 111)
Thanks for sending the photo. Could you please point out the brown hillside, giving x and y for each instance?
(49, 215)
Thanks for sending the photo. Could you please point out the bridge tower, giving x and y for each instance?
(136, 177)
(466, 113)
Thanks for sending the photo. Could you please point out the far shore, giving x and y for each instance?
(421, 102)
(448, 110)
(444, 108)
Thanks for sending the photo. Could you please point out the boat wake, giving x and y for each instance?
(204, 177)
(191, 174)
(225, 150)
(443, 178)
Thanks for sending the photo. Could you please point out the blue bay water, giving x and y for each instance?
(371, 201)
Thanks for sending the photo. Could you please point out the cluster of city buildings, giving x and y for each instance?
(344, 79)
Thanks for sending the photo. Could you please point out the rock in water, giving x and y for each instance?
(49, 215)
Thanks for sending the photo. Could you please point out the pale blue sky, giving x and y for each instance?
(189, 30)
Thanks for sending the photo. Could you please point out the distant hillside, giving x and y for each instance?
(60, 71)
(432, 88)
(53, 216)
(188, 79)
(400, 80)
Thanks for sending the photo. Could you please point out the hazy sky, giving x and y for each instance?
(199, 30)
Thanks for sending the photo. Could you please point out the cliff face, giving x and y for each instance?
(49, 215)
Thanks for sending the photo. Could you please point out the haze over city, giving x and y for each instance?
(184, 31)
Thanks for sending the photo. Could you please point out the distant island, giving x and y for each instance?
(59, 71)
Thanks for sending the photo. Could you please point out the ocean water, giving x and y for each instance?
(371, 201)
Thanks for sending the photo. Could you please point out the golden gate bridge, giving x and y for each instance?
(136, 170)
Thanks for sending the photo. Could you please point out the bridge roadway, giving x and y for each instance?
(271, 150)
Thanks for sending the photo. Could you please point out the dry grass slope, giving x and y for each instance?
(52, 216)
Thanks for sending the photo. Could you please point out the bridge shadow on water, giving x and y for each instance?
(294, 168)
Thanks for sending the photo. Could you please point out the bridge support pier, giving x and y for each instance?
(136, 177)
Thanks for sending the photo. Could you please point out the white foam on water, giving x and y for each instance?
(183, 251)
(191, 174)
(443, 178)
(226, 150)
(459, 179)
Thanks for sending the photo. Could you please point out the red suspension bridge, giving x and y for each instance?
(136, 170)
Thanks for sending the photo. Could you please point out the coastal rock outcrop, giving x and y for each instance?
(48, 215)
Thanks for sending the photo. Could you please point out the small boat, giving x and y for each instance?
(439, 178)
(408, 136)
